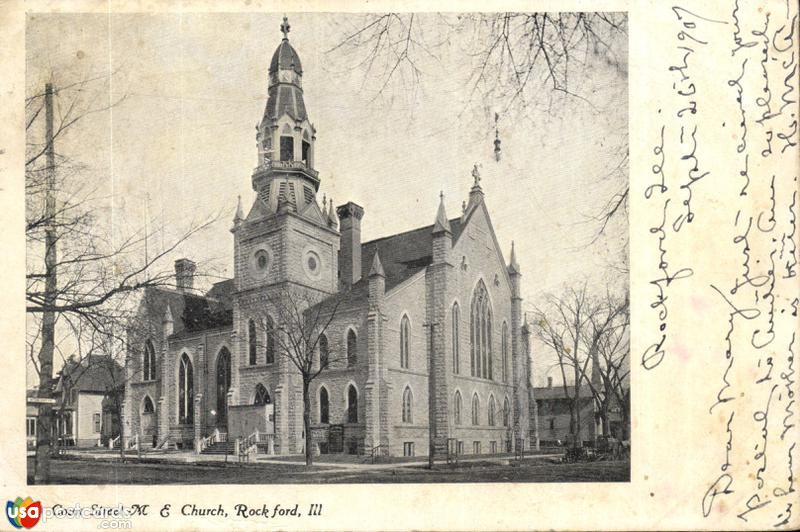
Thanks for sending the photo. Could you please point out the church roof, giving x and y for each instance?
(285, 58)
(402, 256)
(284, 98)
(194, 312)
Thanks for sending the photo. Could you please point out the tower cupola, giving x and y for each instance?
(285, 137)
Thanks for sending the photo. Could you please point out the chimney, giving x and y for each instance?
(350, 216)
(184, 274)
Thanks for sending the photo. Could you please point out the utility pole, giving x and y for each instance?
(44, 432)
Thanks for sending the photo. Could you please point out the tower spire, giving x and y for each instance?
(513, 266)
(442, 225)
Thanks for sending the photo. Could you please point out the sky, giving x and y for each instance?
(180, 145)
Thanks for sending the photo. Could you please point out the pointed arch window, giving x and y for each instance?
(504, 350)
(324, 355)
(476, 406)
(252, 341)
(223, 384)
(270, 341)
(352, 348)
(352, 404)
(404, 326)
(407, 402)
(149, 362)
(456, 316)
(324, 406)
(148, 407)
(262, 396)
(287, 148)
(457, 408)
(491, 411)
(505, 412)
(185, 390)
(480, 327)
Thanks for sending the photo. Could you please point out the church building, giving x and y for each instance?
(420, 338)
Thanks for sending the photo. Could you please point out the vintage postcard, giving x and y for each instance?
(394, 266)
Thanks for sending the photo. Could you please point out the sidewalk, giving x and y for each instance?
(189, 457)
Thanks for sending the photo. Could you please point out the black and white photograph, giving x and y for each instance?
(327, 248)
(368, 265)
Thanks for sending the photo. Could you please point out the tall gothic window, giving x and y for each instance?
(149, 362)
(404, 325)
(185, 390)
(223, 384)
(504, 350)
(407, 398)
(352, 404)
(456, 319)
(262, 396)
(324, 406)
(505, 412)
(457, 408)
(270, 340)
(491, 411)
(352, 347)
(480, 327)
(252, 342)
(476, 406)
(324, 355)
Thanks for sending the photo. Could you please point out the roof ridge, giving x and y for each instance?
(429, 226)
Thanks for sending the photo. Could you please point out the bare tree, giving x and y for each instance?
(78, 268)
(581, 330)
(562, 328)
(517, 62)
(609, 347)
(301, 320)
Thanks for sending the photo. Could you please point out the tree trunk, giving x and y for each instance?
(43, 435)
(121, 432)
(307, 422)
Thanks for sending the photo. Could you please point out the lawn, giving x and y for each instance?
(110, 472)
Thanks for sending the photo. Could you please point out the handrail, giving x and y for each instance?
(113, 441)
(381, 450)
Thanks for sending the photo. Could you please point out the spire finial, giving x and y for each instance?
(239, 216)
(377, 267)
(513, 265)
(285, 27)
(476, 175)
(442, 225)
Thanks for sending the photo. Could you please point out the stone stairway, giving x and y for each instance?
(226, 447)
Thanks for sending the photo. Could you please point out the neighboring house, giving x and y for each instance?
(86, 413)
(32, 404)
(553, 414)
(435, 309)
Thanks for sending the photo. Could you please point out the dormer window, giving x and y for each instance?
(287, 148)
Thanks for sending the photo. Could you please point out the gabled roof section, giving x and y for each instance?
(401, 257)
(193, 312)
(94, 373)
(404, 254)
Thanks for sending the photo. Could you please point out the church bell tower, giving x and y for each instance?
(285, 136)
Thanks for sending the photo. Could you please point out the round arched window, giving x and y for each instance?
(312, 263)
(260, 262)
